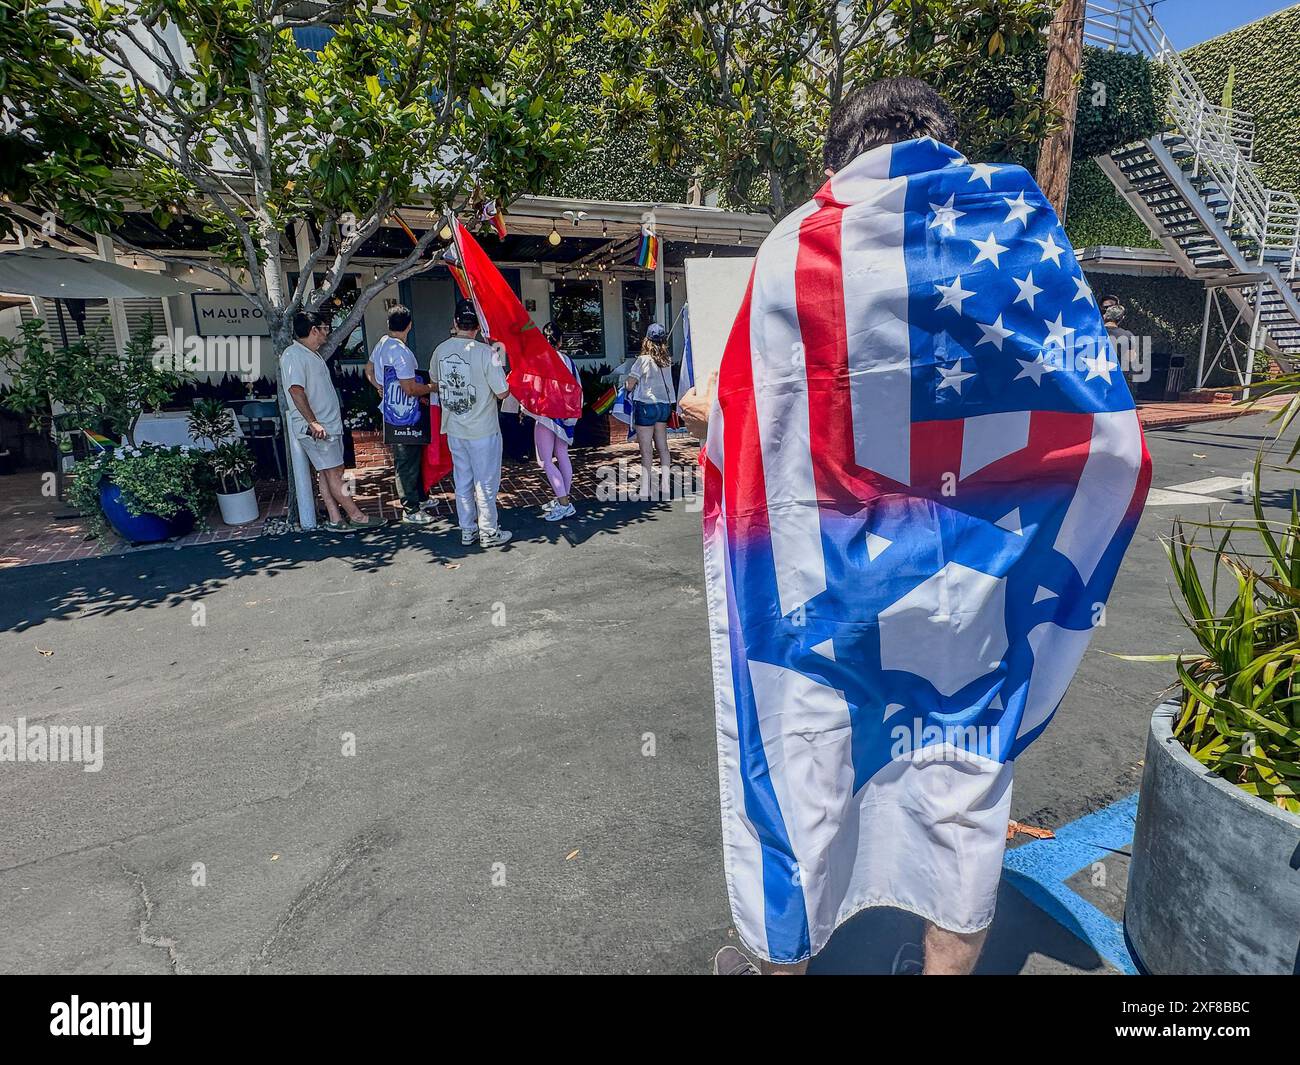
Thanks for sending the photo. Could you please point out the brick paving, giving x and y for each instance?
(35, 529)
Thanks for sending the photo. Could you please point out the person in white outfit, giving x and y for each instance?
(471, 381)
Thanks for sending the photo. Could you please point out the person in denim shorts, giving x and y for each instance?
(650, 384)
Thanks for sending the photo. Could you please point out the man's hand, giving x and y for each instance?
(317, 431)
(695, 408)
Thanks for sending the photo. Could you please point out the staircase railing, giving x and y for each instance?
(1263, 222)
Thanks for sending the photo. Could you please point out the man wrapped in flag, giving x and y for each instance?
(922, 470)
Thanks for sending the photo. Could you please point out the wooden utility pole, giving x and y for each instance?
(1061, 92)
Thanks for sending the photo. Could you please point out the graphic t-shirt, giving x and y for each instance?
(469, 377)
(394, 362)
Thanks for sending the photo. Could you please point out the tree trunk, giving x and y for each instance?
(1061, 91)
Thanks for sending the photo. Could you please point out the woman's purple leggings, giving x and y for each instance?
(549, 446)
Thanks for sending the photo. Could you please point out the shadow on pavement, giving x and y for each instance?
(868, 944)
(172, 574)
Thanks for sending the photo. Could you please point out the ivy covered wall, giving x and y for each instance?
(618, 166)
(1266, 83)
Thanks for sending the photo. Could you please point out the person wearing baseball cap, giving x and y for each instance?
(471, 380)
(650, 384)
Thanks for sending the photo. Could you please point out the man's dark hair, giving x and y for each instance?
(466, 316)
(399, 318)
(886, 112)
(305, 321)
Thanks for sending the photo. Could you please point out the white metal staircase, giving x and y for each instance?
(1197, 189)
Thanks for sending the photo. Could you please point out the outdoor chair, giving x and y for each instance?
(261, 421)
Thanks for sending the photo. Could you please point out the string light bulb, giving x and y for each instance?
(553, 238)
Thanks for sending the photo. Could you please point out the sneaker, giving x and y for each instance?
(363, 522)
(559, 513)
(429, 504)
(336, 526)
(730, 962)
(550, 505)
(416, 517)
(495, 539)
(468, 537)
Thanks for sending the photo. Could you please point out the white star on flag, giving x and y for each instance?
(1083, 292)
(1019, 210)
(953, 376)
(1028, 290)
(989, 248)
(1099, 365)
(1051, 250)
(946, 215)
(993, 334)
(982, 172)
(1057, 332)
(953, 294)
(1034, 370)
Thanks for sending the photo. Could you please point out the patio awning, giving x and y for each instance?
(64, 275)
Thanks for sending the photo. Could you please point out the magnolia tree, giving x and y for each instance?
(211, 110)
(738, 92)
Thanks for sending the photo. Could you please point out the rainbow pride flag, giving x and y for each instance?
(648, 256)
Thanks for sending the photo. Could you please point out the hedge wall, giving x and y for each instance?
(1266, 55)
(618, 166)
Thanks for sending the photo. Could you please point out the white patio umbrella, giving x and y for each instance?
(65, 275)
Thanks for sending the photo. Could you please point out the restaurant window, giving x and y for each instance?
(577, 312)
(639, 312)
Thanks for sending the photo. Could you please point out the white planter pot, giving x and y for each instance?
(238, 508)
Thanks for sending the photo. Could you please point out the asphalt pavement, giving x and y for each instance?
(389, 753)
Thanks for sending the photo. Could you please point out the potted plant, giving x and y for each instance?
(87, 384)
(230, 459)
(1214, 885)
(147, 492)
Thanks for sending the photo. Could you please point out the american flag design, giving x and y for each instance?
(923, 469)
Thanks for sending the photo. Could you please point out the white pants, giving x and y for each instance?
(476, 469)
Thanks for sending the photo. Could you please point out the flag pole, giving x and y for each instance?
(454, 226)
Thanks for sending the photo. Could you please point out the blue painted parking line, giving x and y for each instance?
(1040, 869)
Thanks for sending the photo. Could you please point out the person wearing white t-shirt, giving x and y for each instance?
(391, 370)
(471, 380)
(650, 384)
(314, 417)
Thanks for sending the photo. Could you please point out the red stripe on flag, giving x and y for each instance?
(742, 457)
(819, 297)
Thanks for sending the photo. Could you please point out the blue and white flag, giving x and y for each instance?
(922, 471)
(686, 377)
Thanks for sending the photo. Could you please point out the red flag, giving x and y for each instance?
(538, 377)
(435, 463)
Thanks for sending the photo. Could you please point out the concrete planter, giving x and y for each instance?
(1214, 886)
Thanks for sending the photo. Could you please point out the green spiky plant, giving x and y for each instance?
(1240, 695)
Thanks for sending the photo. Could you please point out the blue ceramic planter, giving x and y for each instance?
(140, 528)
